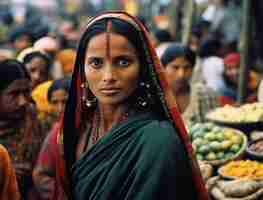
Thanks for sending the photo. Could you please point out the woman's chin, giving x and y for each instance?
(111, 101)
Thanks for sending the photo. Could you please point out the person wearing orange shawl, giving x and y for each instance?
(9, 189)
(121, 133)
(66, 58)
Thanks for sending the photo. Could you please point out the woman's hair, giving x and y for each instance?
(59, 84)
(136, 39)
(209, 47)
(163, 35)
(18, 32)
(177, 50)
(37, 54)
(11, 70)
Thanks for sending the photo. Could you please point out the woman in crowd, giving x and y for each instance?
(194, 100)
(20, 132)
(123, 137)
(57, 96)
(47, 171)
(38, 66)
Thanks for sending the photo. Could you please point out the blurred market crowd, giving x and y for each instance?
(42, 37)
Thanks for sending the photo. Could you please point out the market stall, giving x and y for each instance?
(229, 153)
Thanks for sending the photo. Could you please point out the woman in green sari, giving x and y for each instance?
(123, 137)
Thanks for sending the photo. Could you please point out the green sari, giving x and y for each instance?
(140, 159)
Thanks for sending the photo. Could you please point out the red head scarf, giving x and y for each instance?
(232, 58)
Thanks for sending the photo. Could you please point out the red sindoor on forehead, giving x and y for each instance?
(109, 27)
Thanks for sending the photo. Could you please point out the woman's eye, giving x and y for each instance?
(176, 67)
(95, 63)
(123, 62)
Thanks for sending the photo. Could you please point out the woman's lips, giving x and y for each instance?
(110, 91)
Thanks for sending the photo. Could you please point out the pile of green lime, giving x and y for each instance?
(211, 142)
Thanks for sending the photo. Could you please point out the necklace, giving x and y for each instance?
(95, 136)
(95, 129)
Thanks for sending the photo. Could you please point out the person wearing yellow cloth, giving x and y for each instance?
(39, 95)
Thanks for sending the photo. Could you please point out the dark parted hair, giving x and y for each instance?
(163, 35)
(11, 70)
(58, 84)
(19, 31)
(209, 47)
(38, 54)
(176, 50)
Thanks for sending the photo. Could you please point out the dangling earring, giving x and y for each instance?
(143, 100)
(85, 99)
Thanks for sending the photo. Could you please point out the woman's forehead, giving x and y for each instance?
(109, 42)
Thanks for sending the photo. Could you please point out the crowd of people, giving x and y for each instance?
(95, 111)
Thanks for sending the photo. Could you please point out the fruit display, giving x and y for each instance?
(248, 113)
(214, 143)
(243, 169)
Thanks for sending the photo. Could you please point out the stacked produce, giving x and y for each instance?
(213, 143)
(248, 113)
(240, 189)
(224, 148)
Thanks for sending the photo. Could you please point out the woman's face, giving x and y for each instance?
(58, 101)
(37, 68)
(179, 69)
(232, 72)
(112, 68)
(14, 99)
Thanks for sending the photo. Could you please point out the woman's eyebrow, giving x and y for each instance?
(127, 56)
(93, 57)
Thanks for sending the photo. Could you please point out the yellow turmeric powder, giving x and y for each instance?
(243, 169)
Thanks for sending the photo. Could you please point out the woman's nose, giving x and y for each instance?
(36, 76)
(61, 107)
(22, 100)
(181, 73)
(109, 74)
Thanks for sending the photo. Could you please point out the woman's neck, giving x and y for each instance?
(110, 115)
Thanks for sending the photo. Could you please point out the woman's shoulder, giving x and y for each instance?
(159, 132)
(158, 140)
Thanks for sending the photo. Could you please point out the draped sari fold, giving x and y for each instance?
(129, 163)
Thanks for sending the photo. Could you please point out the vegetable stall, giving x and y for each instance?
(229, 154)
